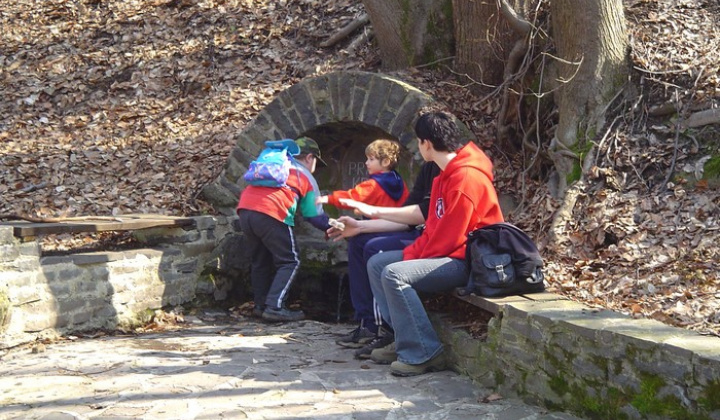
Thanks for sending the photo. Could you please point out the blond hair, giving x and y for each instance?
(382, 149)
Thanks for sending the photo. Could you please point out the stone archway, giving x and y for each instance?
(341, 111)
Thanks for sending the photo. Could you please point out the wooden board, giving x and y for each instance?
(22, 229)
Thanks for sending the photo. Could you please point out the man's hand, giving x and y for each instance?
(360, 207)
(352, 228)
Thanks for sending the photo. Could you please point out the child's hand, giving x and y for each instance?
(323, 199)
(360, 207)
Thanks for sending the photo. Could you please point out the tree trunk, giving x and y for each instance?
(590, 70)
(483, 40)
(410, 33)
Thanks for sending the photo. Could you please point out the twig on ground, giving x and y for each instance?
(346, 30)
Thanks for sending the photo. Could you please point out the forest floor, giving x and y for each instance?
(117, 107)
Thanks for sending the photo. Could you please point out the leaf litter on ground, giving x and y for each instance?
(120, 107)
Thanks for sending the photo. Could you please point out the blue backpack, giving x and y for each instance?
(272, 167)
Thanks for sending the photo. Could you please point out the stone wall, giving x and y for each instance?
(555, 353)
(597, 363)
(202, 265)
(84, 291)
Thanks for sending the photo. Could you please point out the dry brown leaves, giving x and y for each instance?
(645, 229)
(131, 106)
(676, 44)
(112, 107)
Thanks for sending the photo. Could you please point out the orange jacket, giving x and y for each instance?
(375, 191)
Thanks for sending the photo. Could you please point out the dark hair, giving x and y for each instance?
(440, 129)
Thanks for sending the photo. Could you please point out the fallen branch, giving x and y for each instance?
(698, 119)
(358, 41)
(34, 187)
(346, 30)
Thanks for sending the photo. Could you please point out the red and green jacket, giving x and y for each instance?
(282, 204)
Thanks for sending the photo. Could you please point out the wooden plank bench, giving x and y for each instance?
(30, 229)
(495, 304)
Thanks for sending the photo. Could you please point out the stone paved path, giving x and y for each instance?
(211, 369)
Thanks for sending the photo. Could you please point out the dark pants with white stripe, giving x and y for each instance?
(272, 247)
(360, 249)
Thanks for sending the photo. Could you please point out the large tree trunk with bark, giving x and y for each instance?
(411, 33)
(584, 73)
(590, 70)
(483, 40)
(479, 50)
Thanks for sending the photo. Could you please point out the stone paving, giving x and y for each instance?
(213, 367)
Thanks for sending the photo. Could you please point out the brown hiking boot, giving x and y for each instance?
(435, 364)
(384, 355)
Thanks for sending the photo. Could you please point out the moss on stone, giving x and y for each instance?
(617, 367)
(711, 396)
(553, 360)
(711, 169)
(648, 403)
(499, 377)
(559, 385)
(596, 407)
(601, 362)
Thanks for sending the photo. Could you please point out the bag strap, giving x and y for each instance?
(294, 163)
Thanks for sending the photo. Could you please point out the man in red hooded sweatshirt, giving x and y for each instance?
(463, 199)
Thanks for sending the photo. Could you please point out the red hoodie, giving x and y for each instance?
(463, 199)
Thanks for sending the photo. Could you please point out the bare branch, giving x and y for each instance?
(346, 30)
(518, 24)
(359, 40)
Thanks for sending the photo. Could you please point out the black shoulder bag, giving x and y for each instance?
(502, 261)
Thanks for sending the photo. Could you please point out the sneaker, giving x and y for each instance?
(258, 311)
(356, 338)
(282, 315)
(380, 341)
(384, 355)
(435, 364)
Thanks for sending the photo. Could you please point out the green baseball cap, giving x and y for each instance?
(310, 146)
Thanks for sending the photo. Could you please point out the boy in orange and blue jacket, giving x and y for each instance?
(267, 217)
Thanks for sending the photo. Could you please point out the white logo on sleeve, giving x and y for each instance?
(439, 208)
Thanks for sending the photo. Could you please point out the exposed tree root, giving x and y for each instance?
(698, 119)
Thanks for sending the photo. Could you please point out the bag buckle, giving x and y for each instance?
(500, 270)
(536, 277)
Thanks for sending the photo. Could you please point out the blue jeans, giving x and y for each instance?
(395, 284)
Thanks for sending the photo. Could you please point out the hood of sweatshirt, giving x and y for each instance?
(471, 156)
(391, 182)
